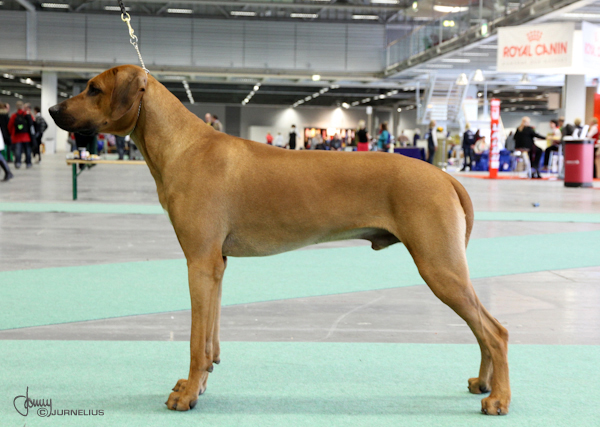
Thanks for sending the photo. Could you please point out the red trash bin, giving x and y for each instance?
(579, 162)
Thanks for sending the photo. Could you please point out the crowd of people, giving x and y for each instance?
(525, 135)
(20, 135)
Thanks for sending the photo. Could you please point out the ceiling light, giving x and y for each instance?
(308, 98)
(55, 5)
(334, 86)
(345, 105)
(304, 15)
(182, 11)
(369, 17)
(385, 1)
(256, 87)
(64, 95)
(488, 46)
(316, 77)
(478, 77)
(242, 13)
(39, 86)
(448, 23)
(462, 80)
(475, 54)
(439, 66)
(527, 87)
(415, 5)
(450, 9)
(399, 110)
(116, 8)
(479, 94)
(322, 91)
(457, 60)
(582, 15)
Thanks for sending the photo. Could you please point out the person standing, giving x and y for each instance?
(269, 138)
(279, 140)
(593, 134)
(4, 119)
(553, 141)
(40, 127)
(467, 145)
(292, 141)
(3, 163)
(383, 142)
(524, 140)
(216, 124)
(19, 126)
(120, 143)
(431, 142)
(208, 119)
(362, 137)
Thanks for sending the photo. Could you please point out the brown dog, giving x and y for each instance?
(231, 197)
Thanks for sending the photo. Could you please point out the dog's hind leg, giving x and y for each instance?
(205, 275)
(216, 341)
(438, 249)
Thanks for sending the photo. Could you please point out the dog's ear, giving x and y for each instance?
(129, 85)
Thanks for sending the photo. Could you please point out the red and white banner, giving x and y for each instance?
(494, 138)
(530, 47)
(590, 35)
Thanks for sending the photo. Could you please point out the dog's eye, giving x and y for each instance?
(93, 91)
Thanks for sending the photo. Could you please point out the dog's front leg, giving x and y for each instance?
(205, 277)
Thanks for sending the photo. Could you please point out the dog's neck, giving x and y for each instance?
(164, 124)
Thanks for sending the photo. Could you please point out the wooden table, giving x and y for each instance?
(75, 162)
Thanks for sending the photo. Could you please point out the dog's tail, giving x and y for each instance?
(466, 204)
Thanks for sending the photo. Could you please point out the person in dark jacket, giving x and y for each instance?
(524, 140)
(4, 119)
(431, 141)
(467, 145)
(4, 134)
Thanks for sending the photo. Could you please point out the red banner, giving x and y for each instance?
(494, 138)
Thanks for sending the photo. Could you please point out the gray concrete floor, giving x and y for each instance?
(552, 307)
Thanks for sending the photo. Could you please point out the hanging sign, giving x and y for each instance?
(494, 138)
(590, 35)
(530, 47)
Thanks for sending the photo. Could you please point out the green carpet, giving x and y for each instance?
(69, 294)
(538, 217)
(295, 384)
(78, 207)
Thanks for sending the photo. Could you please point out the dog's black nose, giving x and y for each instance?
(54, 110)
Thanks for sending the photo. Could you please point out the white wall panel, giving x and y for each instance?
(321, 47)
(13, 35)
(269, 45)
(365, 47)
(222, 43)
(107, 39)
(61, 37)
(218, 43)
(166, 41)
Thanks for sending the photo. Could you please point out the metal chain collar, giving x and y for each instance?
(132, 37)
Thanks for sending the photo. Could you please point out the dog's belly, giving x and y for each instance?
(264, 244)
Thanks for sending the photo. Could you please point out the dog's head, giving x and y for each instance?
(108, 104)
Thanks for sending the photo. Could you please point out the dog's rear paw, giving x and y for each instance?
(492, 405)
(476, 386)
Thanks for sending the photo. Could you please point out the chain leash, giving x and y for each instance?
(133, 39)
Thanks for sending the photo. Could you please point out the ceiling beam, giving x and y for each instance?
(282, 5)
(27, 5)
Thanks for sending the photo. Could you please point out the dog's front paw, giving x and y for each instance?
(180, 386)
(180, 401)
(477, 386)
(492, 405)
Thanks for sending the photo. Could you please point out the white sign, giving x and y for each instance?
(532, 47)
(590, 35)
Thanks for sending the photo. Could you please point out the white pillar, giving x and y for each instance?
(49, 98)
(574, 96)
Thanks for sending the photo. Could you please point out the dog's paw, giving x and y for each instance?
(180, 401)
(180, 386)
(476, 386)
(492, 405)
